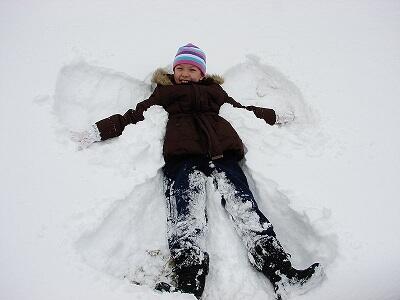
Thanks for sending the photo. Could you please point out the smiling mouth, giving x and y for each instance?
(184, 81)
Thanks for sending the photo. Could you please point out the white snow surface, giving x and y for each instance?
(86, 224)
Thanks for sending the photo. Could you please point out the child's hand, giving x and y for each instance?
(283, 118)
(85, 138)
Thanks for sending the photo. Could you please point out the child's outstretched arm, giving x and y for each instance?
(114, 125)
(267, 114)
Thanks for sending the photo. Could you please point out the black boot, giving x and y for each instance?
(190, 274)
(270, 258)
(302, 276)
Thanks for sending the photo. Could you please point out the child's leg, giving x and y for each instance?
(250, 223)
(185, 193)
(264, 250)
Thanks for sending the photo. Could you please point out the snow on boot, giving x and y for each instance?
(270, 258)
(192, 279)
(190, 275)
(165, 287)
(305, 280)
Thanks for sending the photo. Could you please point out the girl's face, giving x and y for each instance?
(184, 73)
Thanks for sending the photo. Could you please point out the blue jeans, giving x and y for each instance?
(185, 191)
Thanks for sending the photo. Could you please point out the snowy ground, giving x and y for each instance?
(74, 223)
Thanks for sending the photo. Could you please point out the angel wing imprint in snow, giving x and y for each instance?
(125, 240)
(254, 83)
(129, 240)
(85, 93)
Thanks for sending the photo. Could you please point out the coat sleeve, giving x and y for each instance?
(114, 125)
(267, 114)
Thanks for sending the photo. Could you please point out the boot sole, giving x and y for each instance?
(285, 288)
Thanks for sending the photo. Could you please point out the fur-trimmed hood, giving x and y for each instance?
(162, 77)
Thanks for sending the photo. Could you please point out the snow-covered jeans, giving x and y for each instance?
(185, 190)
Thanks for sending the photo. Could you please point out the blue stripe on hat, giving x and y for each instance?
(190, 57)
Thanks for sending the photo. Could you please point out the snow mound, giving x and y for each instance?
(86, 93)
(254, 83)
(128, 240)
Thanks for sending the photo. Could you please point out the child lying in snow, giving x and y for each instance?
(198, 141)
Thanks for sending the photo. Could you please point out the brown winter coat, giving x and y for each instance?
(194, 125)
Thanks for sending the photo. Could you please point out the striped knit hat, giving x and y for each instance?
(192, 55)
